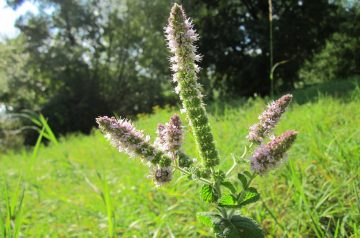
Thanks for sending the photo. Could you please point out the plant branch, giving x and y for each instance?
(235, 163)
(188, 173)
(242, 194)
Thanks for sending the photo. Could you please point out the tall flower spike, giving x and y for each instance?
(268, 119)
(270, 155)
(123, 135)
(181, 37)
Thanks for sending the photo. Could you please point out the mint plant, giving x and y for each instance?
(225, 193)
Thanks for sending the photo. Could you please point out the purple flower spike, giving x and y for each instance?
(268, 119)
(123, 135)
(271, 154)
(170, 135)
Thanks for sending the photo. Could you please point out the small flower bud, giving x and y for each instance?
(162, 175)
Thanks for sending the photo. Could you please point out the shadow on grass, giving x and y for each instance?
(340, 89)
(344, 90)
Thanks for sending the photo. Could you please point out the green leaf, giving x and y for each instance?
(208, 218)
(243, 180)
(227, 200)
(208, 193)
(251, 195)
(237, 226)
(229, 186)
(248, 174)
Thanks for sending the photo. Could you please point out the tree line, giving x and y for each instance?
(75, 60)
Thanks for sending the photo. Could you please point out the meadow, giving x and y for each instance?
(83, 187)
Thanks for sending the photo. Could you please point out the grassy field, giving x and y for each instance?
(82, 187)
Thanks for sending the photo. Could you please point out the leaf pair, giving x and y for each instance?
(234, 227)
(246, 197)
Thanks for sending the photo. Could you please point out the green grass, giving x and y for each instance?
(82, 187)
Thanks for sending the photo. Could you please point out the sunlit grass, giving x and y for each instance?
(82, 187)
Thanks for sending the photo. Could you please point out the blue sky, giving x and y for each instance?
(8, 17)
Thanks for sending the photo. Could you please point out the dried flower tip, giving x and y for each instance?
(162, 175)
(268, 119)
(123, 135)
(270, 155)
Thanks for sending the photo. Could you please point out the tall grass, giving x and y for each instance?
(82, 187)
(11, 214)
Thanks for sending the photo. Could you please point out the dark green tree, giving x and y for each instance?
(96, 57)
(235, 40)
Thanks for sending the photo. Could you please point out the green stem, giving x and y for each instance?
(223, 212)
(235, 163)
(242, 194)
(188, 173)
(174, 157)
(271, 49)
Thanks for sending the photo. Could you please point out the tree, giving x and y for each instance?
(235, 40)
(96, 57)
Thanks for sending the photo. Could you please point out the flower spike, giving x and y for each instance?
(170, 135)
(123, 135)
(268, 119)
(181, 37)
(270, 155)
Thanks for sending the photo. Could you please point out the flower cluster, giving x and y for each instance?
(165, 155)
(271, 154)
(170, 135)
(268, 119)
(123, 135)
(181, 37)
(162, 175)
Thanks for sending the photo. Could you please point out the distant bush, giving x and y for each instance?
(10, 138)
(340, 57)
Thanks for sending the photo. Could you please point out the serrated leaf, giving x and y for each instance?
(229, 186)
(237, 227)
(208, 218)
(251, 195)
(208, 193)
(227, 200)
(243, 180)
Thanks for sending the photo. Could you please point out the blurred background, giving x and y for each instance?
(74, 60)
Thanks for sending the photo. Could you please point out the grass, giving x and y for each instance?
(82, 187)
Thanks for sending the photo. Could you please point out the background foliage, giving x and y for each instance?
(75, 60)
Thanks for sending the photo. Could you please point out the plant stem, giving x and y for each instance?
(242, 194)
(232, 167)
(235, 163)
(188, 173)
(271, 49)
